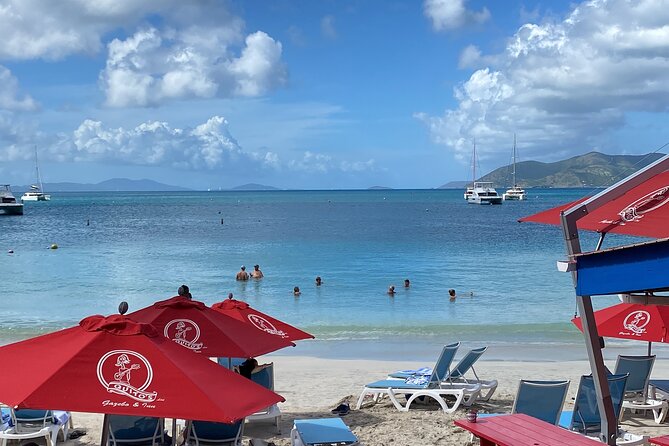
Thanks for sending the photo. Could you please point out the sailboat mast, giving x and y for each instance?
(514, 160)
(39, 178)
(474, 164)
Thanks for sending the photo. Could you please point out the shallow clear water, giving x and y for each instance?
(140, 247)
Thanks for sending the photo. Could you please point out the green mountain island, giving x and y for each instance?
(593, 169)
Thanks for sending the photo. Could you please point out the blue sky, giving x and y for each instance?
(323, 94)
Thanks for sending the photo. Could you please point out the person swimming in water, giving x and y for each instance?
(451, 295)
(296, 291)
(391, 290)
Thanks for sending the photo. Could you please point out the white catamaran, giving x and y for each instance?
(515, 192)
(36, 192)
(480, 192)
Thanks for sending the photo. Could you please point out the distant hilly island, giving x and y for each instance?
(593, 169)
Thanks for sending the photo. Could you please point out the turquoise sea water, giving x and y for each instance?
(140, 247)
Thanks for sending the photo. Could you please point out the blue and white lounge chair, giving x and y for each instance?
(539, 399)
(416, 387)
(265, 378)
(639, 369)
(218, 433)
(135, 430)
(447, 355)
(585, 416)
(35, 423)
(322, 432)
(457, 374)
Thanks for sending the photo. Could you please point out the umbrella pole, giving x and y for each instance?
(649, 346)
(174, 431)
(105, 430)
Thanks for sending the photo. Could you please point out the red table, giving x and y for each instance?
(662, 441)
(523, 430)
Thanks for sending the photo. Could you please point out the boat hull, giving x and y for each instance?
(35, 196)
(11, 208)
(484, 200)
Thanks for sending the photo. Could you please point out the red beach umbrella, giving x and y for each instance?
(641, 211)
(114, 365)
(261, 321)
(201, 329)
(642, 322)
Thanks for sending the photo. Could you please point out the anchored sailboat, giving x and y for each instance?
(515, 192)
(481, 192)
(36, 192)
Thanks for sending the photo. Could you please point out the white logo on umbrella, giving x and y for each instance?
(185, 333)
(263, 324)
(636, 321)
(118, 378)
(645, 204)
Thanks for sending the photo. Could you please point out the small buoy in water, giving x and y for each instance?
(88, 222)
(53, 246)
(221, 221)
(427, 210)
(11, 251)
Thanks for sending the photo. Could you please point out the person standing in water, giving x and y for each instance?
(451, 295)
(242, 274)
(257, 274)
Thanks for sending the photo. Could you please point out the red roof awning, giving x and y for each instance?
(642, 211)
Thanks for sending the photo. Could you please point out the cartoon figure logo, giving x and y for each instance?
(645, 204)
(636, 321)
(263, 324)
(120, 372)
(185, 333)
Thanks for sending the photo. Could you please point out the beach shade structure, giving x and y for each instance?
(642, 211)
(632, 321)
(114, 365)
(245, 313)
(195, 326)
(633, 206)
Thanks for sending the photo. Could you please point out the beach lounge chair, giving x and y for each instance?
(541, 399)
(34, 423)
(639, 369)
(538, 399)
(322, 432)
(447, 355)
(135, 430)
(265, 378)
(416, 387)
(219, 433)
(585, 416)
(457, 374)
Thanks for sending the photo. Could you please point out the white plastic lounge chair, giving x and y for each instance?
(639, 369)
(432, 386)
(32, 423)
(322, 432)
(219, 433)
(135, 430)
(265, 378)
(585, 416)
(447, 355)
(457, 374)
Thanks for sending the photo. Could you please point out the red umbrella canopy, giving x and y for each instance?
(632, 321)
(642, 211)
(114, 365)
(201, 329)
(261, 321)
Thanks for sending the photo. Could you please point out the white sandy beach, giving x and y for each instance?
(313, 386)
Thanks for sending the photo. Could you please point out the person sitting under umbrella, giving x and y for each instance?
(249, 367)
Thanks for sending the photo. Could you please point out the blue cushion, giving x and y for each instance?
(324, 430)
(395, 384)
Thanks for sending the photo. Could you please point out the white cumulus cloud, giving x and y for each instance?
(153, 66)
(10, 96)
(562, 86)
(452, 14)
(207, 146)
